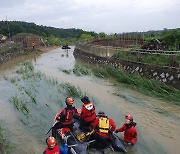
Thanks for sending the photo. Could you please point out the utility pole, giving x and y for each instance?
(8, 28)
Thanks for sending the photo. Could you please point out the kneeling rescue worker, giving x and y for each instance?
(88, 113)
(53, 148)
(130, 133)
(104, 127)
(65, 117)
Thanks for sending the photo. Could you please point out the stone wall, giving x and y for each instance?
(168, 75)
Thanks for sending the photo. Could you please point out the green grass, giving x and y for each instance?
(30, 84)
(72, 90)
(78, 70)
(158, 60)
(4, 145)
(147, 86)
(81, 70)
(29, 94)
(20, 105)
(66, 71)
(125, 55)
(51, 81)
(69, 41)
(25, 68)
(100, 73)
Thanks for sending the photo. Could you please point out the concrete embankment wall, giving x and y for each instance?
(168, 75)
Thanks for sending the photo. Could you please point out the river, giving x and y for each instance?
(158, 122)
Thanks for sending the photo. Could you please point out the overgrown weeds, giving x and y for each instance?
(147, 86)
(81, 70)
(153, 59)
(78, 70)
(31, 86)
(72, 90)
(20, 105)
(66, 71)
(4, 145)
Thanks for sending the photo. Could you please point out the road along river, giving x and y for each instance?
(158, 122)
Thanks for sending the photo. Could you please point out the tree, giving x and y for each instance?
(85, 37)
(52, 40)
(102, 35)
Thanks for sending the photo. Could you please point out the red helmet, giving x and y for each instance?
(69, 101)
(129, 117)
(51, 142)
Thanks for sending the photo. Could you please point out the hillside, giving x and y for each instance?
(16, 27)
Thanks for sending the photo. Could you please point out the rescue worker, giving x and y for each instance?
(65, 118)
(104, 127)
(88, 113)
(53, 148)
(130, 133)
(33, 45)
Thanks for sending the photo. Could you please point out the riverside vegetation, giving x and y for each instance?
(4, 144)
(153, 59)
(27, 81)
(149, 87)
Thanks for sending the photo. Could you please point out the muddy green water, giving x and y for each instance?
(158, 122)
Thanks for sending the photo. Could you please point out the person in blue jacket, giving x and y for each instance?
(53, 148)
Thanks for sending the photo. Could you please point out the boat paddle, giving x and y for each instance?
(51, 128)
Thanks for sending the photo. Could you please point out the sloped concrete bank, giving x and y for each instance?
(168, 75)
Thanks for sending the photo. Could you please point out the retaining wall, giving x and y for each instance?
(168, 75)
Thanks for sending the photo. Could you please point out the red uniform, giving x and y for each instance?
(88, 113)
(110, 128)
(55, 150)
(130, 134)
(66, 115)
(64, 119)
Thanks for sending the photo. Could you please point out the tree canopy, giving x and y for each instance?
(15, 27)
